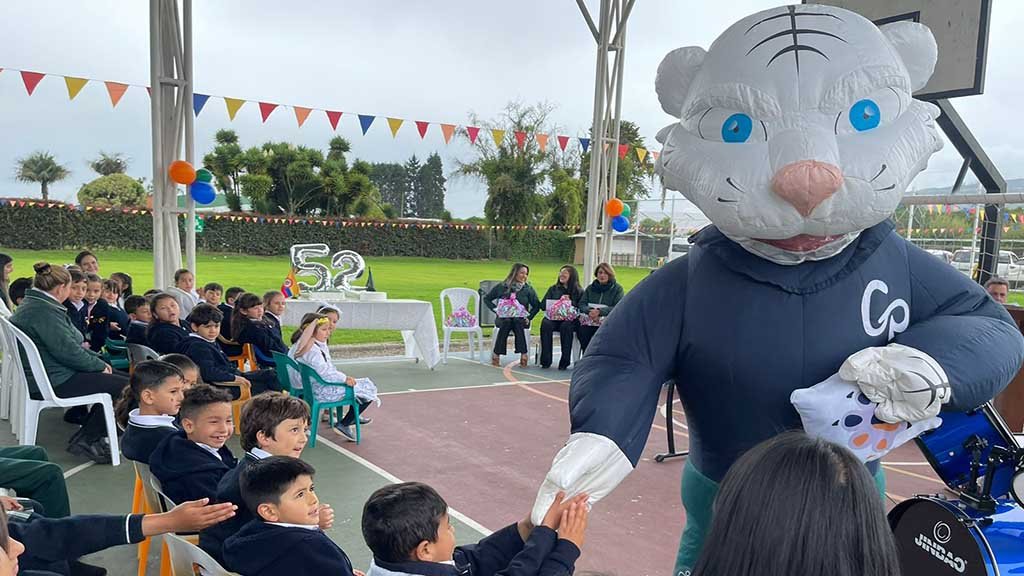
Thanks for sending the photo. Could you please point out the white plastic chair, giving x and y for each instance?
(13, 385)
(577, 351)
(139, 353)
(187, 559)
(461, 298)
(51, 400)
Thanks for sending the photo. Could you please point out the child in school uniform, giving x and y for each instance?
(75, 303)
(249, 327)
(211, 294)
(97, 313)
(165, 333)
(284, 536)
(273, 424)
(148, 406)
(139, 317)
(407, 528)
(184, 291)
(118, 317)
(214, 366)
(226, 308)
(189, 369)
(189, 464)
(309, 346)
(274, 304)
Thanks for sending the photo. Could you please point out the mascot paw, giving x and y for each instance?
(588, 463)
(907, 384)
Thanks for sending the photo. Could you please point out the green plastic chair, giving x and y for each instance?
(309, 376)
(117, 354)
(285, 365)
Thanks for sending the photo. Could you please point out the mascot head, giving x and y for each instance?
(797, 129)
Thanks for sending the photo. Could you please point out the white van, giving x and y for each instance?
(678, 247)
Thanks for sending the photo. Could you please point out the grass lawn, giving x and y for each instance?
(414, 278)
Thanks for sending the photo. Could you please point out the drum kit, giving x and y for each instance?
(981, 531)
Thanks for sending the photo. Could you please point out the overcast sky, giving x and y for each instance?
(434, 61)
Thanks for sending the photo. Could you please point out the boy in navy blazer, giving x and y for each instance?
(190, 464)
(285, 536)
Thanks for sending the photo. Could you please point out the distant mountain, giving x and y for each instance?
(1013, 185)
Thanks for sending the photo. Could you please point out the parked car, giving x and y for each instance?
(1009, 267)
(944, 255)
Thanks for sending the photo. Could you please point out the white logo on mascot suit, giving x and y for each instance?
(887, 319)
(791, 148)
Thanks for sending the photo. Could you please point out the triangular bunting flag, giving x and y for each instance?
(198, 101)
(473, 132)
(333, 118)
(520, 139)
(447, 130)
(542, 141)
(395, 124)
(365, 120)
(585, 143)
(116, 91)
(641, 153)
(31, 80)
(498, 135)
(421, 127)
(266, 108)
(563, 141)
(75, 86)
(623, 150)
(301, 114)
(233, 105)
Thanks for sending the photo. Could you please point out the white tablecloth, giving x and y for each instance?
(415, 319)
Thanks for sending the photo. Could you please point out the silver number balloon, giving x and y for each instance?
(299, 254)
(350, 267)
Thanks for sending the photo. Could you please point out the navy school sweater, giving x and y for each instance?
(228, 490)
(97, 324)
(164, 338)
(262, 335)
(50, 543)
(225, 324)
(77, 316)
(214, 365)
(186, 471)
(263, 549)
(139, 442)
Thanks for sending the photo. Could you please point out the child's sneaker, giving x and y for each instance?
(346, 431)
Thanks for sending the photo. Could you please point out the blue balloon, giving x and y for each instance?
(202, 192)
(620, 223)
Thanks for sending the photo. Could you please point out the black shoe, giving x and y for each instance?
(364, 421)
(76, 415)
(346, 431)
(563, 367)
(79, 568)
(94, 450)
(545, 366)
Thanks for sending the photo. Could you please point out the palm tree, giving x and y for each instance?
(43, 168)
(108, 164)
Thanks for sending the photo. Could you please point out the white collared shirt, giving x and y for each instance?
(194, 335)
(276, 317)
(286, 525)
(78, 305)
(209, 449)
(150, 420)
(260, 453)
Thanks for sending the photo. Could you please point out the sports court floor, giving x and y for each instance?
(483, 437)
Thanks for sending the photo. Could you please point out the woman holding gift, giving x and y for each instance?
(597, 302)
(515, 303)
(560, 304)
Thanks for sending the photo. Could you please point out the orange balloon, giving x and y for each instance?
(182, 172)
(613, 207)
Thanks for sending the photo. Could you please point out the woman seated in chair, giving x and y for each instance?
(72, 369)
(249, 327)
(515, 303)
(309, 347)
(557, 317)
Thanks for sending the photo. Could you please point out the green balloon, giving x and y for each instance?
(625, 210)
(204, 175)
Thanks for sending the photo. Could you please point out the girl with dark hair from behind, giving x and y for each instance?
(798, 505)
(6, 267)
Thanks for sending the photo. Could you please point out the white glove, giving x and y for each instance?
(907, 384)
(588, 463)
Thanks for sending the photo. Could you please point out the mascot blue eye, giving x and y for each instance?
(736, 128)
(865, 115)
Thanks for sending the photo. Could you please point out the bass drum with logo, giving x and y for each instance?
(939, 537)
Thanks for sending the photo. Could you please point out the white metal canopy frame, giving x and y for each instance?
(170, 61)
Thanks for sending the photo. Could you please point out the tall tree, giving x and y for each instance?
(513, 174)
(565, 205)
(411, 205)
(107, 164)
(632, 175)
(393, 182)
(430, 199)
(226, 161)
(43, 168)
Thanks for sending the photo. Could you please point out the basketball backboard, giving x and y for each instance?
(960, 28)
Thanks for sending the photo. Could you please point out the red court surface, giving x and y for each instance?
(487, 449)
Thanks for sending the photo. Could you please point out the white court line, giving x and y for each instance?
(395, 480)
(470, 387)
(664, 414)
(77, 469)
(905, 463)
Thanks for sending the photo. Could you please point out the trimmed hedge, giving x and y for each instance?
(59, 227)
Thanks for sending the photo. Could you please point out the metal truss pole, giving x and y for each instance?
(609, 32)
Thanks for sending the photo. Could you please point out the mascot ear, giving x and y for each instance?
(916, 46)
(675, 74)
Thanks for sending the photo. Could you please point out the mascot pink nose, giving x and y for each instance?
(807, 183)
